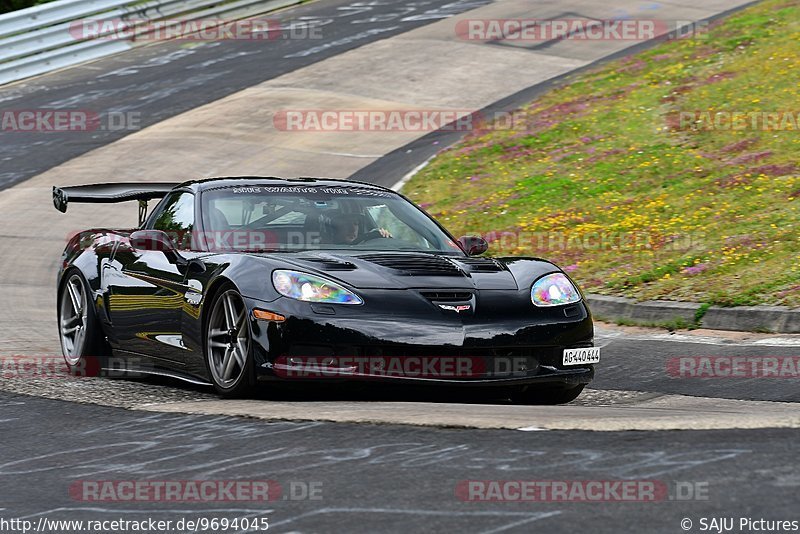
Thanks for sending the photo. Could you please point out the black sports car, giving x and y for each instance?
(235, 281)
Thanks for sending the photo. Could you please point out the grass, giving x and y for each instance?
(600, 176)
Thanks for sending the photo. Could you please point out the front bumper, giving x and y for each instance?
(494, 350)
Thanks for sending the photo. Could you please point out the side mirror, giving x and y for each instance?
(152, 240)
(158, 240)
(473, 245)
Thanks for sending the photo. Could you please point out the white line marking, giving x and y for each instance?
(341, 42)
(778, 342)
(399, 185)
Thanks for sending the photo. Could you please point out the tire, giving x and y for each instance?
(229, 345)
(83, 342)
(548, 396)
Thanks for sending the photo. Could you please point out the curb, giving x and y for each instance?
(772, 319)
(651, 312)
(778, 319)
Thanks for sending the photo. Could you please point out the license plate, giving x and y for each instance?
(581, 356)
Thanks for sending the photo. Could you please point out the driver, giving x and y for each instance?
(346, 230)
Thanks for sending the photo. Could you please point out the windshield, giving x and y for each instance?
(309, 217)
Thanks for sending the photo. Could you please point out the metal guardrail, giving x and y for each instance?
(43, 38)
(53, 13)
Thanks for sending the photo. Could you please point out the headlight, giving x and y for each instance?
(554, 290)
(310, 288)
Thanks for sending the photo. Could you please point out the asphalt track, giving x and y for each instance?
(377, 478)
(165, 79)
(374, 477)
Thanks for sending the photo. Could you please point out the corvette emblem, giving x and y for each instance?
(457, 309)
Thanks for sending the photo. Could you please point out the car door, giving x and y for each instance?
(146, 291)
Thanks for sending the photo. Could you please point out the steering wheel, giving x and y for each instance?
(375, 233)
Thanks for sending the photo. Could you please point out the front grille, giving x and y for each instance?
(447, 296)
(415, 264)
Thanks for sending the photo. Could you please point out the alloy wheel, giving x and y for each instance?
(228, 339)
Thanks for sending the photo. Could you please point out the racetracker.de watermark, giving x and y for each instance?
(28, 367)
(67, 120)
(219, 522)
(197, 491)
(580, 491)
(425, 367)
(144, 30)
(396, 120)
(213, 240)
(541, 242)
(734, 367)
(577, 29)
(552, 241)
(735, 121)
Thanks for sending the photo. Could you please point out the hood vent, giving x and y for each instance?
(331, 263)
(415, 264)
(481, 265)
(447, 296)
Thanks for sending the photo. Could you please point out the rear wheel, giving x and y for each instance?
(82, 341)
(548, 396)
(229, 345)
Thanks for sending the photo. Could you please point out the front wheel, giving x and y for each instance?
(229, 345)
(548, 396)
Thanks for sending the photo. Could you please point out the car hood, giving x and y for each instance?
(399, 270)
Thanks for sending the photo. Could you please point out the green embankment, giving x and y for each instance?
(620, 179)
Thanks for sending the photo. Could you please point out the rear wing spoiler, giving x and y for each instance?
(111, 193)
